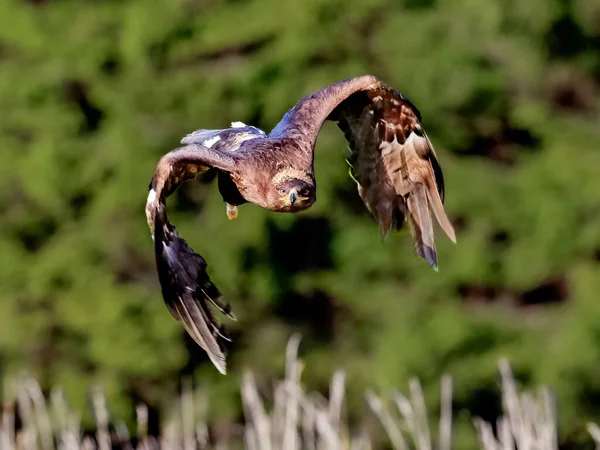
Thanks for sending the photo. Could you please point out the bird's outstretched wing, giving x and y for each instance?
(186, 286)
(305, 119)
(394, 164)
(392, 159)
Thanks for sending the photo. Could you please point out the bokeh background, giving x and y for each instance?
(92, 93)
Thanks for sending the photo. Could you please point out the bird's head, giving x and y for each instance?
(295, 190)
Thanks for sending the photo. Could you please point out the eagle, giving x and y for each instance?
(391, 160)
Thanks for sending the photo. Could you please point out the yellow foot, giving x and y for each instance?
(232, 212)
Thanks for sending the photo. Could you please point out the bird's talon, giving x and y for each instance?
(232, 211)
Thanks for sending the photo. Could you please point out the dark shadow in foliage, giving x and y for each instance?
(461, 223)
(323, 58)
(317, 310)
(488, 100)
(34, 235)
(226, 55)
(111, 65)
(552, 291)
(569, 97)
(135, 390)
(78, 204)
(572, 90)
(419, 4)
(500, 237)
(237, 50)
(251, 258)
(485, 401)
(130, 266)
(572, 440)
(477, 293)
(498, 139)
(75, 92)
(566, 39)
(158, 51)
(480, 341)
(304, 247)
(588, 395)
(503, 145)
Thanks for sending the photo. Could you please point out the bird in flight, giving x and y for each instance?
(391, 160)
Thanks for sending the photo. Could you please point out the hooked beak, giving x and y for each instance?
(293, 196)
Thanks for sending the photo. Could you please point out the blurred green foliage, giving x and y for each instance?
(93, 93)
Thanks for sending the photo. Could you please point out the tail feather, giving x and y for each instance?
(412, 170)
(438, 209)
(419, 218)
(212, 293)
(188, 290)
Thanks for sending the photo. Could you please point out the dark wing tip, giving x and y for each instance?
(187, 290)
(429, 255)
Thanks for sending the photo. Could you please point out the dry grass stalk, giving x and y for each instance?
(528, 421)
(414, 420)
(297, 421)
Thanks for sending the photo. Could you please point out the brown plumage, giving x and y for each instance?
(392, 162)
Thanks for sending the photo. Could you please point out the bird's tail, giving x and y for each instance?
(413, 176)
(416, 210)
(417, 207)
(187, 288)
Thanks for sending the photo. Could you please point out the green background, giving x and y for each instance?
(92, 93)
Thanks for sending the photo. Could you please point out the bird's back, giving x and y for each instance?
(229, 139)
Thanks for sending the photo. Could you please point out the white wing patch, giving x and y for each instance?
(238, 124)
(151, 196)
(210, 142)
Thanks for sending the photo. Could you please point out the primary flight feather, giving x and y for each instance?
(392, 161)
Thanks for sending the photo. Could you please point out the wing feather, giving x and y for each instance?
(398, 175)
(187, 289)
(419, 218)
(229, 139)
